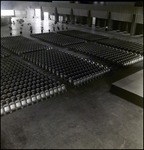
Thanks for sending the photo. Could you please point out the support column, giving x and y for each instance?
(75, 19)
(34, 12)
(64, 17)
(56, 15)
(9, 20)
(49, 17)
(98, 22)
(15, 14)
(109, 22)
(133, 26)
(89, 19)
(42, 13)
(81, 19)
(105, 24)
(127, 26)
(95, 22)
(119, 26)
(72, 17)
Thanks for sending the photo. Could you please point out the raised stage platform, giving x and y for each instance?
(130, 88)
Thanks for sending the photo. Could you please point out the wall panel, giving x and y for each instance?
(80, 12)
(4, 21)
(64, 10)
(50, 10)
(139, 19)
(20, 13)
(19, 5)
(6, 5)
(121, 9)
(99, 14)
(139, 10)
(30, 13)
(121, 16)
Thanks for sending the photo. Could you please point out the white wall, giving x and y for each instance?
(30, 13)
(6, 5)
(20, 5)
(20, 13)
(4, 21)
(121, 17)
(61, 1)
(50, 10)
(120, 3)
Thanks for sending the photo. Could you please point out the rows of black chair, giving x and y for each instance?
(4, 53)
(125, 45)
(71, 68)
(114, 55)
(83, 35)
(61, 40)
(21, 85)
(20, 44)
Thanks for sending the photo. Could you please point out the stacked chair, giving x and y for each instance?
(124, 45)
(4, 53)
(83, 35)
(61, 40)
(71, 68)
(113, 55)
(21, 85)
(20, 44)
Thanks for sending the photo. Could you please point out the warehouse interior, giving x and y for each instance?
(71, 75)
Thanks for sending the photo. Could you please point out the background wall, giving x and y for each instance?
(4, 21)
(123, 7)
(120, 14)
(20, 13)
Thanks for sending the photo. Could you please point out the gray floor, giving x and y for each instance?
(87, 117)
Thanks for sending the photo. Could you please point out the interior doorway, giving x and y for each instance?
(93, 20)
(60, 18)
(139, 29)
(37, 13)
(46, 16)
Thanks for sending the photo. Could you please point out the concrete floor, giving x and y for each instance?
(87, 117)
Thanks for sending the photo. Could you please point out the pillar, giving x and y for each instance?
(95, 21)
(127, 27)
(81, 19)
(34, 13)
(105, 24)
(9, 20)
(14, 13)
(49, 17)
(72, 17)
(119, 25)
(56, 15)
(42, 13)
(75, 19)
(89, 19)
(98, 22)
(133, 25)
(64, 16)
(109, 21)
